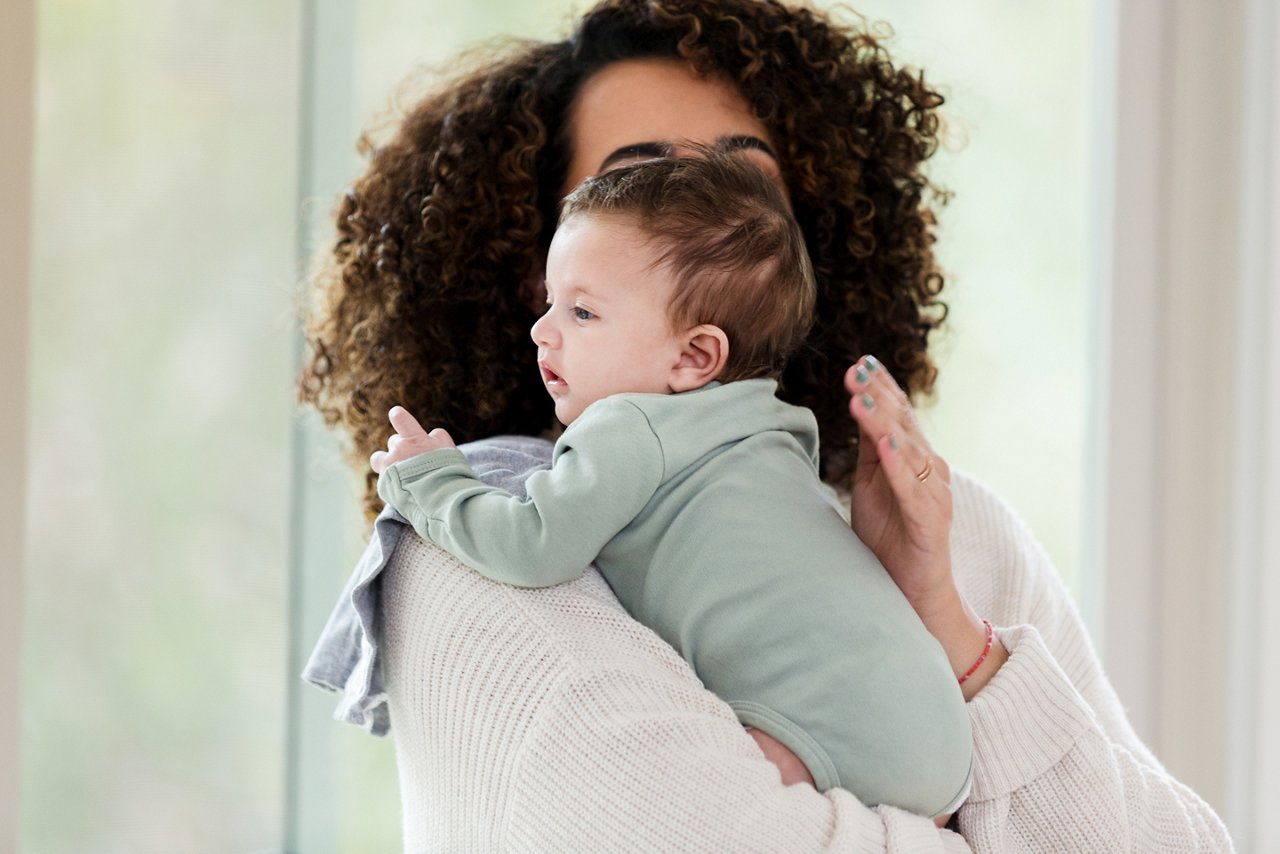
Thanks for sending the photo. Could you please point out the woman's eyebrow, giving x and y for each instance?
(665, 149)
(639, 149)
(737, 143)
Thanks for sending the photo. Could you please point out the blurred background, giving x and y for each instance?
(187, 529)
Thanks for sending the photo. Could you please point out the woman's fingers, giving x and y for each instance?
(882, 409)
(886, 385)
(901, 489)
(910, 467)
(868, 454)
(892, 444)
(876, 408)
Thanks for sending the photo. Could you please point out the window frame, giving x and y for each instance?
(17, 105)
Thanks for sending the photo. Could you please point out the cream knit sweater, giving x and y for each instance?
(549, 720)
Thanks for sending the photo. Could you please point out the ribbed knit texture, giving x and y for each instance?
(549, 720)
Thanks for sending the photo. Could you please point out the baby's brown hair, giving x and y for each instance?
(724, 231)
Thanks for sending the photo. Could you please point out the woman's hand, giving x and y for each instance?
(901, 489)
(409, 440)
(902, 510)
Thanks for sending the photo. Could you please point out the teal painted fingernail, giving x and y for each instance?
(868, 402)
(862, 375)
(872, 363)
(893, 442)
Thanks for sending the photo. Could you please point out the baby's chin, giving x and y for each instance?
(568, 411)
(565, 413)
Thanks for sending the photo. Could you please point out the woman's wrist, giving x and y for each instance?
(963, 636)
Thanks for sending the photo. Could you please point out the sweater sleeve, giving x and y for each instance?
(605, 468)
(1057, 763)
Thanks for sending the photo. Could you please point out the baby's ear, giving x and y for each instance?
(703, 354)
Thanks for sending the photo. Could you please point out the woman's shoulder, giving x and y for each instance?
(479, 677)
(999, 565)
(576, 630)
(977, 505)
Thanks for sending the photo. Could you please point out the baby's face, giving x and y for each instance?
(606, 329)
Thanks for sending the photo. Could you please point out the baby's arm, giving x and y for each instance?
(604, 470)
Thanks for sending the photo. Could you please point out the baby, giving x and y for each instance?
(675, 290)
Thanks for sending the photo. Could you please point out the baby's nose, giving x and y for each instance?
(541, 332)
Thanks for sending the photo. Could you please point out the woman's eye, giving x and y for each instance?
(581, 313)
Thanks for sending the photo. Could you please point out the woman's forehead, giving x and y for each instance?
(642, 108)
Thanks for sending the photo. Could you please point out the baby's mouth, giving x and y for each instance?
(550, 377)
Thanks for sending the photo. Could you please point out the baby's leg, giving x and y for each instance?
(792, 769)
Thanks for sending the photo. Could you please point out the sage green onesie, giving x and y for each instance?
(705, 513)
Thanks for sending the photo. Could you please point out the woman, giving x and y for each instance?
(549, 719)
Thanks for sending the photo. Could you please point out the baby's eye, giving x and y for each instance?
(581, 313)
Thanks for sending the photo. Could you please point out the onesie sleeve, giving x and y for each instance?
(605, 468)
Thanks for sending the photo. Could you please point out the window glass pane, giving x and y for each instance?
(161, 402)
(1014, 241)
(395, 37)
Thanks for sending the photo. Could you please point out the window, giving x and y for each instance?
(157, 651)
(1016, 244)
(162, 284)
(187, 530)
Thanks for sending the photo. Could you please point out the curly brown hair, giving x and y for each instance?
(419, 300)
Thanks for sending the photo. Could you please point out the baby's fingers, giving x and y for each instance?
(440, 438)
(406, 425)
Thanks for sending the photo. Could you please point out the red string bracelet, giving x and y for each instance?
(991, 636)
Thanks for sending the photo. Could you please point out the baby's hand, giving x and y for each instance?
(409, 440)
(788, 764)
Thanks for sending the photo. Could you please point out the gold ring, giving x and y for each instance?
(926, 471)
